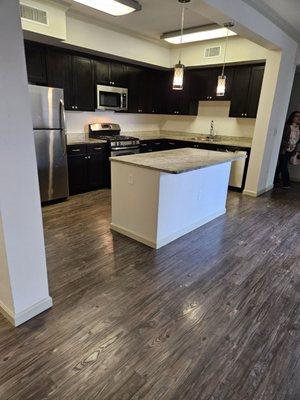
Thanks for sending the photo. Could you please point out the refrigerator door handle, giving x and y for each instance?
(63, 127)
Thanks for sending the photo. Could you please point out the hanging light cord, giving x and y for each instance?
(225, 52)
(181, 34)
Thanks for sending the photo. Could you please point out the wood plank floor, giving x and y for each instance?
(214, 315)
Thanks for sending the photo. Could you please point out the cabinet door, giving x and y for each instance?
(78, 173)
(178, 101)
(240, 89)
(159, 85)
(36, 63)
(102, 72)
(118, 75)
(139, 91)
(199, 84)
(257, 75)
(98, 170)
(59, 71)
(83, 84)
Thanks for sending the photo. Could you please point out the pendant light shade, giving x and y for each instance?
(179, 68)
(178, 76)
(221, 87)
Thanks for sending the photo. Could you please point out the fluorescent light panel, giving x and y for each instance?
(200, 36)
(112, 7)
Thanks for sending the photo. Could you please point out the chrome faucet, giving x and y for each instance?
(212, 130)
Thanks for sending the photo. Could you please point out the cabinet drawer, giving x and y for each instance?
(76, 149)
(96, 148)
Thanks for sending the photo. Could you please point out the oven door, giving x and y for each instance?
(111, 98)
(124, 152)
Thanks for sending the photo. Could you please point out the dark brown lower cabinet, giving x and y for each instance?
(88, 167)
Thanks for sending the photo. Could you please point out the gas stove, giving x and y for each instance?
(117, 143)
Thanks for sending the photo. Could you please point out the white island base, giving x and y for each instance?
(155, 207)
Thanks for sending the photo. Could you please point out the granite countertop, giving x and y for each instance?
(82, 138)
(179, 160)
(193, 137)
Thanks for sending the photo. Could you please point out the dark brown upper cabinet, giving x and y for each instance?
(83, 83)
(140, 92)
(59, 74)
(36, 63)
(75, 75)
(256, 80)
(111, 73)
(149, 90)
(246, 91)
(203, 83)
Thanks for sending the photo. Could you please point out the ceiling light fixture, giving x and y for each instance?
(113, 7)
(197, 34)
(221, 87)
(179, 68)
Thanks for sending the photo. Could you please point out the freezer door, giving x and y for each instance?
(50, 146)
(46, 107)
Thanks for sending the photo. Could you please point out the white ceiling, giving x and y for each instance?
(155, 18)
(159, 16)
(284, 13)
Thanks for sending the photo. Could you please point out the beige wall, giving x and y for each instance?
(238, 50)
(77, 122)
(56, 19)
(97, 38)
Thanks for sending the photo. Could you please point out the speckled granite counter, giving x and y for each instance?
(81, 138)
(179, 160)
(219, 139)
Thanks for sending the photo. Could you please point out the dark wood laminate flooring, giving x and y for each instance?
(214, 315)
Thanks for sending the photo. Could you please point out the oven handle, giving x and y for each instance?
(124, 148)
(124, 153)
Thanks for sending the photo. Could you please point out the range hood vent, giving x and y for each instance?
(210, 52)
(33, 14)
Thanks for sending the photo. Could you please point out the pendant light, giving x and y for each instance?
(179, 68)
(221, 88)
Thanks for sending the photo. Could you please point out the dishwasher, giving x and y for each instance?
(238, 168)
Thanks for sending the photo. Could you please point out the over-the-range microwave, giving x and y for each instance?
(112, 98)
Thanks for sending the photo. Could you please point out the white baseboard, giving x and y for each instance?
(19, 318)
(259, 193)
(168, 239)
(133, 235)
(190, 228)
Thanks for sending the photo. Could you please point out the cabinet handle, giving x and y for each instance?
(75, 150)
(97, 148)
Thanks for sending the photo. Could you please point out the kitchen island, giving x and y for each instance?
(158, 197)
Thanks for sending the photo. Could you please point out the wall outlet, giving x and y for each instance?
(130, 179)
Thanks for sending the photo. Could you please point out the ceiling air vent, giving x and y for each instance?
(33, 14)
(212, 52)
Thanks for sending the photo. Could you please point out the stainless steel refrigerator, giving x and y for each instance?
(48, 117)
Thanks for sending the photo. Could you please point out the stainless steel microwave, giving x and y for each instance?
(112, 98)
